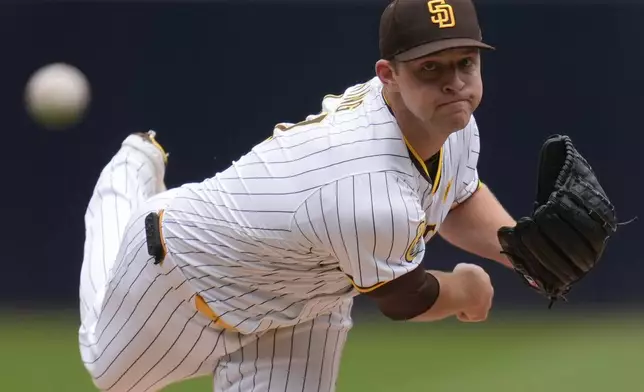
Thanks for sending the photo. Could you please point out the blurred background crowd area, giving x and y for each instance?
(212, 78)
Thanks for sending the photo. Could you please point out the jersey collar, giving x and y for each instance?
(422, 166)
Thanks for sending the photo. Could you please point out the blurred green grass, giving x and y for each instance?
(509, 353)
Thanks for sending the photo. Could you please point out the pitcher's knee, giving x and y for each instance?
(96, 369)
(105, 383)
(100, 383)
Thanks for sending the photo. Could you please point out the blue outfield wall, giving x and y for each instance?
(213, 78)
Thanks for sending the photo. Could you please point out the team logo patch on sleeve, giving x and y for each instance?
(417, 243)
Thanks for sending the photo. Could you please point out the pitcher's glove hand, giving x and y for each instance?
(569, 227)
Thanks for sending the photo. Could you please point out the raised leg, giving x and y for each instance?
(134, 174)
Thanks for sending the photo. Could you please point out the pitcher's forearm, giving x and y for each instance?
(473, 226)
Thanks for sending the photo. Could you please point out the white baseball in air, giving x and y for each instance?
(57, 95)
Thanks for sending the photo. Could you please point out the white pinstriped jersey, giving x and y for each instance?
(320, 211)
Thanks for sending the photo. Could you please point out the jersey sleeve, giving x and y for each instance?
(468, 180)
(372, 224)
(329, 105)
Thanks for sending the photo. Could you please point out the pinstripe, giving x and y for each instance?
(241, 362)
(224, 370)
(317, 151)
(458, 170)
(337, 204)
(231, 209)
(451, 154)
(326, 227)
(428, 187)
(402, 198)
(255, 364)
(89, 272)
(257, 243)
(350, 121)
(89, 265)
(103, 236)
(185, 224)
(290, 358)
(375, 234)
(355, 225)
(306, 206)
(419, 212)
(228, 223)
(326, 338)
(147, 182)
(257, 150)
(138, 183)
(226, 349)
(222, 246)
(469, 162)
(393, 231)
(468, 150)
(116, 203)
(308, 354)
(335, 357)
(270, 379)
(317, 168)
(205, 191)
(125, 183)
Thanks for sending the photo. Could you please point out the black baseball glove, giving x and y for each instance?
(569, 227)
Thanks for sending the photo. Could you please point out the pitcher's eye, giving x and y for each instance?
(467, 63)
(430, 67)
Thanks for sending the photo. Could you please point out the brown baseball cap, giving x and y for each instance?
(410, 29)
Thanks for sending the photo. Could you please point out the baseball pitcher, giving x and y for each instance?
(249, 276)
